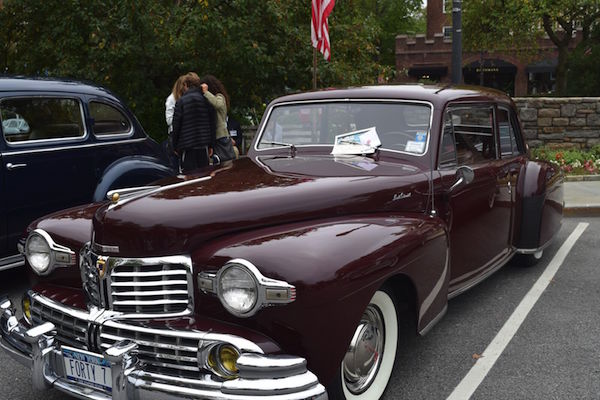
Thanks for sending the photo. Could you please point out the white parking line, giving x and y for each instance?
(482, 366)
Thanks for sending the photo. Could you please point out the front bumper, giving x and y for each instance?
(261, 376)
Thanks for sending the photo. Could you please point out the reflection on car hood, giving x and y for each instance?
(184, 212)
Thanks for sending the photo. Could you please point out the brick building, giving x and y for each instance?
(429, 57)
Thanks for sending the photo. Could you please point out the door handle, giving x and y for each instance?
(11, 166)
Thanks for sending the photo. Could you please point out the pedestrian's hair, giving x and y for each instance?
(215, 87)
(179, 85)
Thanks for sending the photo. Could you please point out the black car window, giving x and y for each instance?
(473, 134)
(41, 118)
(108, 120)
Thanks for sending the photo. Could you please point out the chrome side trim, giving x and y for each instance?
(532, 251)
(12, 262)
(426, 304)
(434, 321)
(82, 146)
(493, 266)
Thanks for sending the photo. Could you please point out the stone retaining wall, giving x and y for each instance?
(560, 122)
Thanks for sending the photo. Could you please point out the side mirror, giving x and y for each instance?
(464, 176)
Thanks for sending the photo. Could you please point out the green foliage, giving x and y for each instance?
(259, 49)
(584, 74)
(571, 161)
(500, 25)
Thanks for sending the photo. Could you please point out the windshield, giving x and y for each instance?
(400, 126)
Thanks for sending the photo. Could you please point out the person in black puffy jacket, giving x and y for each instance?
(194, 131)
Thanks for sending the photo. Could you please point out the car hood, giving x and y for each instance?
(186, 211)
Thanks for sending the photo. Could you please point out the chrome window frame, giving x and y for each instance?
(346, 100)
(25, 143)
(120, 110)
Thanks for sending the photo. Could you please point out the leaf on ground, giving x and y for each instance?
(476, 356)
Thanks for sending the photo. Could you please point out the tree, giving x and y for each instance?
(560, 19)
(509, 25)
(259, 49)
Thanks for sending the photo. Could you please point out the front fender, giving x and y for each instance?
(130, 172)
(336, 267)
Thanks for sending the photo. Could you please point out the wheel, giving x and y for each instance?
(367, 366)
(528, 260)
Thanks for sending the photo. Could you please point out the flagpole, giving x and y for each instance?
(314, 68)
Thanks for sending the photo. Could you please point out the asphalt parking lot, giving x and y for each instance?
(553, 354)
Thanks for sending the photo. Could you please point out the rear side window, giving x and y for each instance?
(508, 128)
(41, 118)
(468, 136)
(108, 120)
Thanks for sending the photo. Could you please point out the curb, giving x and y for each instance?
(581, 178)
(582, 211)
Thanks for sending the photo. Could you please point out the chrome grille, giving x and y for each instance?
(71, 330)
(148, 288)
(92, 283)
(161, 351)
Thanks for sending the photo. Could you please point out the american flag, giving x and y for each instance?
(319, 29)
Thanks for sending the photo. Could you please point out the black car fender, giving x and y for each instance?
(130, 172)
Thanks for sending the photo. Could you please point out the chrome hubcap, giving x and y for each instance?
(364, 354)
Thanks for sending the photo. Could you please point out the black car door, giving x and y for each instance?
(46, 164)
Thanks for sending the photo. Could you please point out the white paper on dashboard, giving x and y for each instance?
(363, 141)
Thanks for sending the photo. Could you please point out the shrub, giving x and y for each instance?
(573, 162)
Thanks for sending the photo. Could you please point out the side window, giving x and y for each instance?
(448, 150)
(41, 118)
(510, 145)
(473, 134)
(107, 120)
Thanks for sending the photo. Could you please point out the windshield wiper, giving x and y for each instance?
(290, 145)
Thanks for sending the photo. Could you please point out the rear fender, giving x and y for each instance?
(538, 207)
(130, 172)
(336, 267)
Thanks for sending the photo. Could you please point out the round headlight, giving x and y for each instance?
(238, 289)
(38, 253)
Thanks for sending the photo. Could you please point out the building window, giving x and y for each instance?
(447, 8)
(447, 30)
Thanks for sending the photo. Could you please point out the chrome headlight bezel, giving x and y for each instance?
(57, 255)
(269, 292)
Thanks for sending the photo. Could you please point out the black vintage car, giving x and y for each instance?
(65, 143)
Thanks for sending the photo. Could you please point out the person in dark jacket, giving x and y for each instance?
(193, 127)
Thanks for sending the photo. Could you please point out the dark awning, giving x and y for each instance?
(491, 65)
(542, 66)
(434, 70)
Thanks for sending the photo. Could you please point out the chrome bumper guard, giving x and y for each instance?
(261, 376)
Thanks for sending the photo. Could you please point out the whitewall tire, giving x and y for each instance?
(369, 360)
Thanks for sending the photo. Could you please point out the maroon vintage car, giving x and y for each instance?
(287, 274)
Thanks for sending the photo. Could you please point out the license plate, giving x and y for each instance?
(87, 368)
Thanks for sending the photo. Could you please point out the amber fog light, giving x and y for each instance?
(222, 360)
(26, 303)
